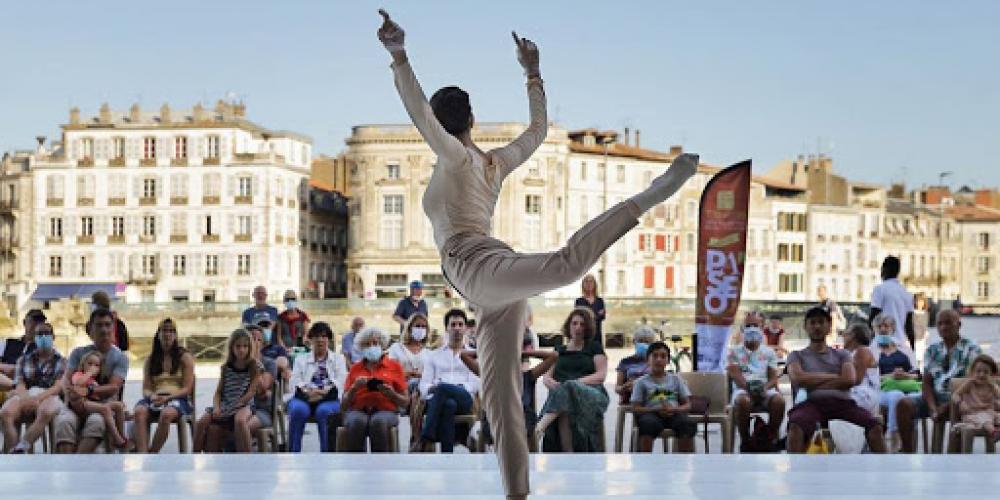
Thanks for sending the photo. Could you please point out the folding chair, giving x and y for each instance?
(713, 387)
(185, 429)
(469, 419)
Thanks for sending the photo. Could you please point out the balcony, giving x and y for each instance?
(178, 200)
(209, 238)
(147, 162)
(242, 238)
(116, 202)
(291, 203)
(116, 239)
(9, 244)
(116, 162)
(178, 162)
(84, 202)
(243, 200)
(147, 238)
(279, 239)
(279, 201)
(54, 240)
(178, 238)
(210, 161)
(290, 240)
(85, 162)
(209, 200)
(146, 202)
(85, 240)
(7, 205)
(54, 202)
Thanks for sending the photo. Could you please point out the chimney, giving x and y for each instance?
(41, 143)
(676, 150)
(105, 114)
(74, 116)
(795, 170)
(628, 136)
(198, 113)
(134, 113)
(165, 113)
(638, 138)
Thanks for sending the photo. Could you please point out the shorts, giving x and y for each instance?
(183, 406)
(813, 413)
(653, 424)
(70, 428)
(264, 417)
(761, 405)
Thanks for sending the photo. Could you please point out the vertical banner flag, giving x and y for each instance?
(722, 236)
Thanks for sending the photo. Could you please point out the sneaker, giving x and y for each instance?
(21, 448)
(895, 442)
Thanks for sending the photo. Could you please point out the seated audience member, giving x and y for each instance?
(74, 434)
(293, 322)
(753, 370)
(774, 334)
(273, 349)
(529, 379)
(577, 399)
(447, 386)
(317, 379)
(979, 399)
(232, 404)
(661, 401)
(634, 366)
(245, 430)
(412, 354)
(12, 349)
(35, 399)
(167, 385)
(866, 393)
(898, 377)
(822, 378)
(376, 390)
(949, 358)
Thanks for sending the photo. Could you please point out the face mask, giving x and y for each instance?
(753, 334)
(44, 341)
(641, 348)
(884, 340)
(93, 307)
(291, 304)
(267, 335)
(373, 353)
(419, 333)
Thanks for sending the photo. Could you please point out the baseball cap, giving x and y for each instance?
(35, 315)
(262, 318)
(416, 284)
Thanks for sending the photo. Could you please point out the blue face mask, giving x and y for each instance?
(373, 353)
(267, 335)
(291, 304)
(641, 348)
(884, 340)
(44, 341)
(753, 334)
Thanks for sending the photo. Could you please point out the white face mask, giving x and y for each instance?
(418, 333)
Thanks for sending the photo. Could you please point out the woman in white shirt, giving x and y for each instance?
(412, 352)
(318, 380)
(459, 201)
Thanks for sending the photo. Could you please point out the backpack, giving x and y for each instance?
(759, 442)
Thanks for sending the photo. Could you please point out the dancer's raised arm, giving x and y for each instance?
(441, 142)
(515, 153)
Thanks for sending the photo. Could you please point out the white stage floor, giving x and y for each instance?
(384, 477)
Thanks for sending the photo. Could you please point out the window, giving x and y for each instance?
(243, 265)
(180, 265)
(148, 265)
(178, 186)
(692, 210)
(85, 187)
(245, 186)
(178, 224)
(648, 277)
(148, 148)
(118, 148)
(789, 283)
(208, 226)
(791, 222)
(211, 265)
(983, 240)
(87, 148)
(670, 278)
(56, 227)
(690, 242)
(392, 170)
(601, 171)
(54, 185)
(583, 171)
(791, 252)
(86, 226)
(118, 226)
(392, 222)
(149, 188)
(212, 147)
(84, 267)
(983, 290)
(661, 242)
(243, 225)
(55, 266)
(621, 284)
(180, 147)
(621, 173)
(149, 225)
(533, 204)
(983, 264)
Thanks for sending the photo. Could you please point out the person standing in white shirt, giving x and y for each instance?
(891, 298)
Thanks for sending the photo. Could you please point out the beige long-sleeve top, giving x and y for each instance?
(463, 189)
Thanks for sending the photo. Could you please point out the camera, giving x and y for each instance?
(375, 383)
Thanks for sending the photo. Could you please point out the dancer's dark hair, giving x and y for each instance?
(451, 107)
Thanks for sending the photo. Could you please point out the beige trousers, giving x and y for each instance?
(498, 281)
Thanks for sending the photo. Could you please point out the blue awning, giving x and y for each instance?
(53, 291)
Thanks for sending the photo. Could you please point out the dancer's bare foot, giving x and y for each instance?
(681, 169)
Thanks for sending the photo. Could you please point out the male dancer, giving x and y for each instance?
(460, 200)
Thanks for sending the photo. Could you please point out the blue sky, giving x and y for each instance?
(891, 89)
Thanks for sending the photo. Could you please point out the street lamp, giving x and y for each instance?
(606, 142)
(941, 177)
